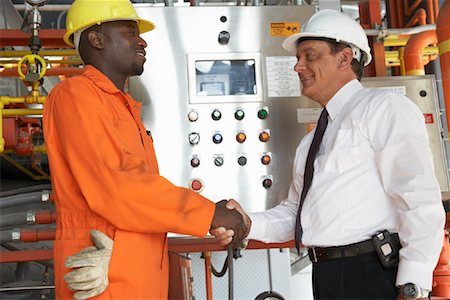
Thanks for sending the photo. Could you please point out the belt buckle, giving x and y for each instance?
(314, 254)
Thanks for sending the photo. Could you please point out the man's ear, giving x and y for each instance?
(345, 58)
(95, 39)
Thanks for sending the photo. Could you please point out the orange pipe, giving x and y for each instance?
(436, 9)
(430, 12)
(400, 14)
(45, 217)
(409, 9)
(208, 276)
(50, 72)
(414, 51)
(419, 18)
(443, 35)
(393, 21)
(35, 235)
(26, 255)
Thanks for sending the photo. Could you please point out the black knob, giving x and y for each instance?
(267, 183)
(216, 115)
(195, 162)
(218, 161)
(224, 37)
(242, 160)
(239, 114)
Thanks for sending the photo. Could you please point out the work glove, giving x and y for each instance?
(91, 277)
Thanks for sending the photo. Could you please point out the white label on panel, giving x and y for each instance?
(308, 115)
(398, 89)
(282, 80)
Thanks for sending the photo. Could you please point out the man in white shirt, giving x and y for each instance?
(373, 172)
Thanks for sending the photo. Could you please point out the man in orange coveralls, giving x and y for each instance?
(103, 165)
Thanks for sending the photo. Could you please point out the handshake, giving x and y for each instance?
(230, 225)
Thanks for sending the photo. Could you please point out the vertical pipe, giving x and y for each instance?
(443, 35)
(208, 276)
(393, 22)
(430, 12)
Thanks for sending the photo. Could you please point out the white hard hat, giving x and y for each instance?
(332, 24)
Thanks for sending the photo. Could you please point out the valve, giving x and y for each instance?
(36, 67)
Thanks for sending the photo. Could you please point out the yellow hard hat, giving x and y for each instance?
(85, 13)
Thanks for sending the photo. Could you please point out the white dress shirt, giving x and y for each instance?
(374, 171)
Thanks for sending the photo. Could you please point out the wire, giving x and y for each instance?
(227, 265)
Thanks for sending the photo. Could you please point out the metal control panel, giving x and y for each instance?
(219, 95)
(423, 92)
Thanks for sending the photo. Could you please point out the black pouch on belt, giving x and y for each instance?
(387, 246)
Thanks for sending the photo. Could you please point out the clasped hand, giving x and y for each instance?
(230, 224)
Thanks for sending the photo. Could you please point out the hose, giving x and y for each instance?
(26, 189)
(13, 219)
(15, 200)
(269, 294)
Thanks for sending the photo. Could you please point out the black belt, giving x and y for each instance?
(317, 254)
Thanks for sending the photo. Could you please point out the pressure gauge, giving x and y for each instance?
(36, 2)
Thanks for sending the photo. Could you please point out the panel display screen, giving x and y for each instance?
(225, 77)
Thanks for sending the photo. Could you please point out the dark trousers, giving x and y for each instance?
(359, 277)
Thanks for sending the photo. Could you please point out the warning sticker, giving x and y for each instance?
(284, 29)
(428, 118)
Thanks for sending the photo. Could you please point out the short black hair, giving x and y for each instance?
(336, 47)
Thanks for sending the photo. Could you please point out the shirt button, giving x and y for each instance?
(135, 106)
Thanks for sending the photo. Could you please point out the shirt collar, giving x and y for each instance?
(342, 96)
(100, 79)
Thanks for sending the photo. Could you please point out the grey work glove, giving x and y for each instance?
(91, 277)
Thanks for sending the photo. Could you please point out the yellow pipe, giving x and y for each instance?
(401, 55)
(21, 112)
(47, 61)
(20, 53)
(34, 97)
(395, 42)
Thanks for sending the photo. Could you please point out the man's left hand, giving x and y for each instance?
(91, 277)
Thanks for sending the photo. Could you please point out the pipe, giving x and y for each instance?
(443, 35)
(71, 61)
(26, 255)
(27, 235)
(414, 51)
(67, 71)
(382, 33)
(26, 189)
(15, 200)
(42, 52)
(393, 22)
(12, 112)
(29, 217)
(400, 13)
(420, 17)
(408, 9)
(430, 12)
(208, 276)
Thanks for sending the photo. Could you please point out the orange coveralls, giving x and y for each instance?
(105, 176)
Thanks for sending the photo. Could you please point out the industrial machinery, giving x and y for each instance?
(225, 111)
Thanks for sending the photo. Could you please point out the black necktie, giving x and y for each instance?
(309, 171)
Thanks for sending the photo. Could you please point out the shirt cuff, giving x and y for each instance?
(415, 272)
(257, 230)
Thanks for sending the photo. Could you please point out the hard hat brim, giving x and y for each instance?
(291, 42)
(143, 25)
